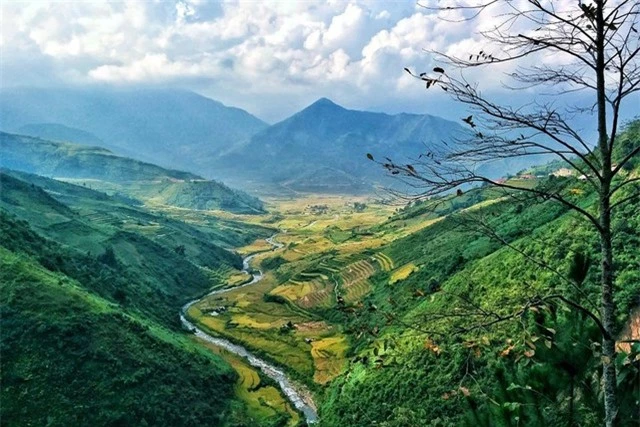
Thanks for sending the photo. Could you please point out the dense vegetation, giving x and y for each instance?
(422, 370)
(90, 333)
(434, 349)
(412, 317)
(71, 357)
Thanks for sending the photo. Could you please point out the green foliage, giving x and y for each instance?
(278, 299)
(70, 357)
(543, 368)
(116, 174)
(273, 263)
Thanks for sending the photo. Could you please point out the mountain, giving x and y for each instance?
(327, 136)
(58, 132)
(174, 128)
(63, 159)
(102, 169)
(90, 288)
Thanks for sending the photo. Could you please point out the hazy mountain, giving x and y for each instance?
(169, 127)
(58, 132)
(302, 150)
(109, 172)
(63, 159)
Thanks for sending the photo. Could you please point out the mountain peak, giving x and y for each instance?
(325, 102)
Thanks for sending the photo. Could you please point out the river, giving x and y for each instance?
(296, 394)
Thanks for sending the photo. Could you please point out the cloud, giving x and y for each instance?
(270, 57)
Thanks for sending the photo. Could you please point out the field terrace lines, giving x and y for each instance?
(315, 292)
(355, 283)
(329, 358)
(262, 400)
(386, 263)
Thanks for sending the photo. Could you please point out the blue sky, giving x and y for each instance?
(269, 57)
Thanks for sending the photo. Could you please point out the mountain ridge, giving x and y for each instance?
(113, 173)
(174, 128)
(327, 135)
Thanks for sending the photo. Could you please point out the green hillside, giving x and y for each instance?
(71, 357)
(90, 294)
(101, 169)
(436, 351)
(420, 368)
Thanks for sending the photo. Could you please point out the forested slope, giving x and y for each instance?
(90, 301)
(462, 337)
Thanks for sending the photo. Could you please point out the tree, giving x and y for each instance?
(108, 257)
(595, 46)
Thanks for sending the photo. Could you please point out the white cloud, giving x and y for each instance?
(270, 57)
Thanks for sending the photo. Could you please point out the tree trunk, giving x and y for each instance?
(608, 305)
(608, 315)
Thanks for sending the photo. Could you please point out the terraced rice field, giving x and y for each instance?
(322, 298)
(323, 258)
(257, 246)
(101, 218)
(238, 278)
(308, 294)
(355, 283)
(356, 290)
(402, 273)
(293, 290)
(263, 401)
(329, 269)
(357, 270)
(386, 263)
(328, 358)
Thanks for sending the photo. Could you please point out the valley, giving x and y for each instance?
(142, 283)
(320, 214)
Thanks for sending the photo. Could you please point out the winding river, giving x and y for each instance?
(294, 392)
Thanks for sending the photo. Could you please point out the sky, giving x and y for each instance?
(271, 58)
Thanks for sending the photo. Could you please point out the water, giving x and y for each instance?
(299, 397)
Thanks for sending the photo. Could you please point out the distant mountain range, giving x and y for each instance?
(173, 128)
(325, 145)
(101, 169)
(319, 149)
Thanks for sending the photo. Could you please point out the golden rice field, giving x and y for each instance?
(355, 283)
(262, 401)
(383, 260)
(329, 358)
(322, 251)
(257, 246)
(238, 278)
(402, 273)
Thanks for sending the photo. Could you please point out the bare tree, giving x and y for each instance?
(595, 49)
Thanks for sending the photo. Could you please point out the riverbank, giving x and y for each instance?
(295, 393)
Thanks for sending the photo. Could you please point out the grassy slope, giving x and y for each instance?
(71, 357)
(105, 324)
(403, 376)
(154, 277)
(414, 384)
(189, 228)
(105, 170)
(123, 308)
